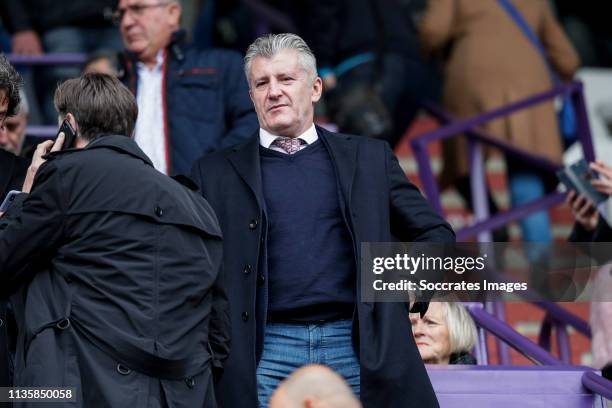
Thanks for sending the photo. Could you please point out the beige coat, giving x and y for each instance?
(491, 64)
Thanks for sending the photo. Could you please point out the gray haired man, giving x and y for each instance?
(294, 203)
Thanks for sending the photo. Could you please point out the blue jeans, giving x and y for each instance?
(288, 347)
(527, 186)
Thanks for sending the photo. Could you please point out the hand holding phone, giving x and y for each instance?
(37, 160)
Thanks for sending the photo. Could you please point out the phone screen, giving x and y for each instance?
(69, 135)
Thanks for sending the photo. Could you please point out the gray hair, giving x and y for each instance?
(461, 328)
(269, 45)
(10, 81)
(24, 107)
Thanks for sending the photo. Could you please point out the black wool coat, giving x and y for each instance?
(115, 268)
(379, 204)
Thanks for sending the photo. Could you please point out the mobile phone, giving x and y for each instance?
(8, 200)
(578, 177)
(69, 134)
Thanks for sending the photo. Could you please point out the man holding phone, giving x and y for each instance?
(114, 269)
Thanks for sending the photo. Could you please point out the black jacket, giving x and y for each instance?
(110, 262)
(379, 203)
(12, 173)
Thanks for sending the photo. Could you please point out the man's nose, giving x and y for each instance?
(126, 20)
(274, 91)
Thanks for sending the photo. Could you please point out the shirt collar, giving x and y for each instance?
(158, 64)
(266, 138)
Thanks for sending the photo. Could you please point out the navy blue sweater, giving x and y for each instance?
(311, 262)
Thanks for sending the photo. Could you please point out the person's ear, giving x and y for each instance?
(317, 89)
(72, 120)
(174, 13)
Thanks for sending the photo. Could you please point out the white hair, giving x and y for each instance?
(462, 333)
(269, 45)
(23, 104)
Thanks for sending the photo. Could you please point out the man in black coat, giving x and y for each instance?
(12, 173)
(295, 202)
(114, 268)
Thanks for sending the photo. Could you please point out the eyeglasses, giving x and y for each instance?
(136, 10)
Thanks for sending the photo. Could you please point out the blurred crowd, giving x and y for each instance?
(379, 62)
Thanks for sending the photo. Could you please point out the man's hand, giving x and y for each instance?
(41, 150)
(27, 43)
(604, 183)
(583, 210)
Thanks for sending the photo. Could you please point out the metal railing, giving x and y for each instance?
(504, 332)
(484, 222)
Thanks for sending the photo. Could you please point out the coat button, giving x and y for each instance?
(247, 269)
(123, 370)
(245, 316)
(253, 224)
(158, 211)
(190, 382)
(261, 279)
(63, 324)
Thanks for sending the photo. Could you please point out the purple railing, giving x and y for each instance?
(47, 59)
(459, 386)
(559, 318)
(484, 223)
(504, 332)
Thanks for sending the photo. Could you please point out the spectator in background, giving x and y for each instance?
(45, 26)
(314, 386)
(491, 64)
(12, 173)
(13, 135)
(102, 62)
(369, 59)
(12, 168)
(191, 101)
(590, 226)
(446, 334)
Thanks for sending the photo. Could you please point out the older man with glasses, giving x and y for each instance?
(191, 101)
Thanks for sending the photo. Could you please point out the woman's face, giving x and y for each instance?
(431, 334)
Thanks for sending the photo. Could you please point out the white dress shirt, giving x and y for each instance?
(266, 139)
(150, 133)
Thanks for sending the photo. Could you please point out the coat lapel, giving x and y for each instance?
(343, 151)
(245, 160)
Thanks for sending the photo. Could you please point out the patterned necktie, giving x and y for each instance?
(289, 144)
